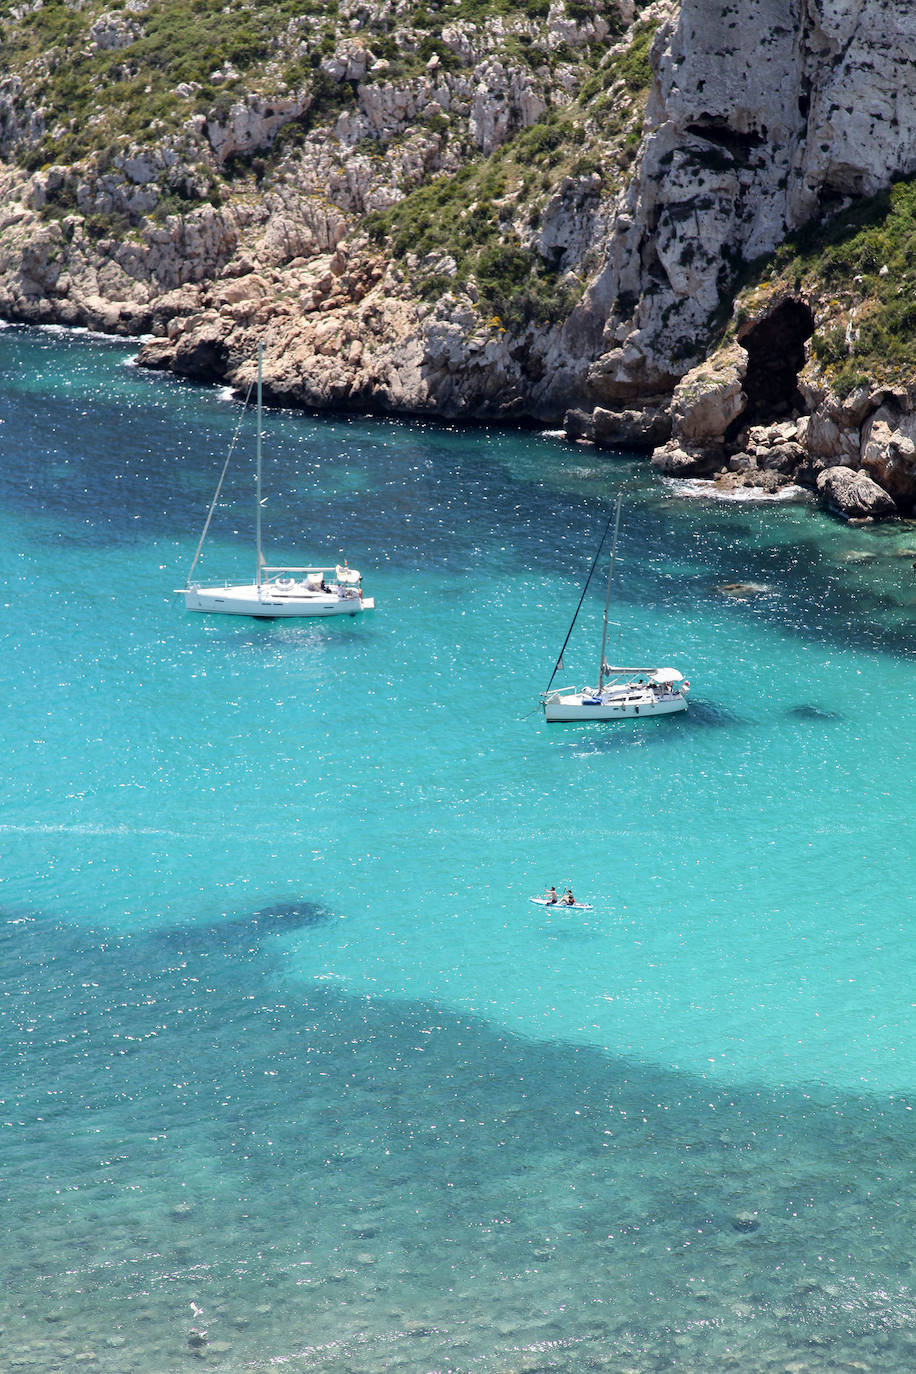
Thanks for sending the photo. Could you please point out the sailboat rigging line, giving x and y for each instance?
(556, 666)
(607, 600)
(259, 504)
(219, 485)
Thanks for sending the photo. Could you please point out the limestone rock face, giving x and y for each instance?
(504, 98)
(889, 452)
(252, 124)
(708, 399)
(346, 335)
(21, 121)
(705, 403)
(762, 112)
(569, 221)
(829, 439)
(113, 30)
(56, 270)
(852, 139)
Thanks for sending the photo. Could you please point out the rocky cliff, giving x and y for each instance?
(658, 223)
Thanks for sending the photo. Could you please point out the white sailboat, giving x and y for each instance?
(278, 589)
(621, 692)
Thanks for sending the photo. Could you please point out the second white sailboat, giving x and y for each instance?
(620, 692)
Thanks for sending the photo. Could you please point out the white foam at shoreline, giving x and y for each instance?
(82, 330)
(701, 487)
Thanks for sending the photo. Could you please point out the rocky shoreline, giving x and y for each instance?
(850, 456)
(858, 455)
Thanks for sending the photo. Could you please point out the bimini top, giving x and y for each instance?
(665, 675)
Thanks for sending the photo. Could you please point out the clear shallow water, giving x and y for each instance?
(285, 1037)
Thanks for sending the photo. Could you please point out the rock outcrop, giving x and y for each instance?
(763, 114)
(858, 454)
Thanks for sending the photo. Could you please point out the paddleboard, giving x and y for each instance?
(564, 906)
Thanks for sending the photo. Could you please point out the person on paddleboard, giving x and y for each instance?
(552, 898)
(568, 899)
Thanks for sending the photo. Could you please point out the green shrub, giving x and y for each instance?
(830, 346)
(432, 46)
(634, 65)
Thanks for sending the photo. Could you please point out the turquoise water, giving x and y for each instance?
(283, 1036)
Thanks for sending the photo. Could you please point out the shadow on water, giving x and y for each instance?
(211, 1120)
(703, 715)
(807, 712)
(603, 737)
(286, 634)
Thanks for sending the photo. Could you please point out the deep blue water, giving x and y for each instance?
(289, 1059)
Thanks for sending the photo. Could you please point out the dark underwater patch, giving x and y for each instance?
(808, 712)
(231, 932)
(348, 1128)
(295, 915)
(600, 737)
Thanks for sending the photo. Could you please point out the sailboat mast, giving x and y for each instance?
(607, 599)
(257, 577)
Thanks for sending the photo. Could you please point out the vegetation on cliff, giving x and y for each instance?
(463, 124)
(858, 271)
(469, 161)
(477, 218)
(861, 267)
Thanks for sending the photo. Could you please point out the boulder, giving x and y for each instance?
(156, 354)
(781, 457)
(201, 352)
(760, 479)
(853, 494)
(676, 461)
(644, 428)
(578, 424)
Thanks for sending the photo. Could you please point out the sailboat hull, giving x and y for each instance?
(572, 706)
(269, 604)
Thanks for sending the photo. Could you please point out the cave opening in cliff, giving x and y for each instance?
(775, 345)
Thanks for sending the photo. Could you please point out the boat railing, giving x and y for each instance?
(290, 568)
(553, 692)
